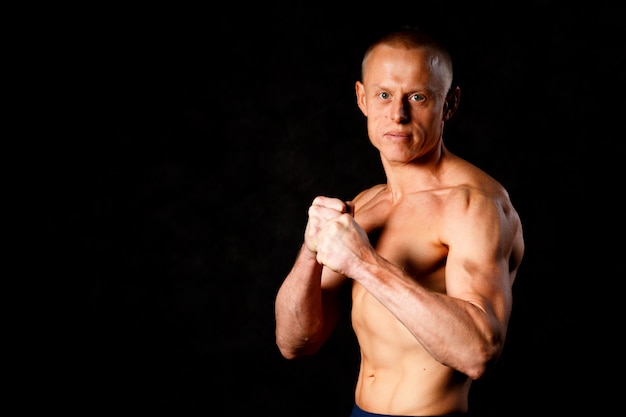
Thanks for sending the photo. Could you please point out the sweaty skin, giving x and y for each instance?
(431, 256)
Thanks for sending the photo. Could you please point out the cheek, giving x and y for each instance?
(431, 118)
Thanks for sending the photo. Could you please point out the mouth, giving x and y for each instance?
(398, 136)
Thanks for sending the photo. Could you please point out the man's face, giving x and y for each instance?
(403, 95)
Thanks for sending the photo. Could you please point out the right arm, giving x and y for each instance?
(307, 304)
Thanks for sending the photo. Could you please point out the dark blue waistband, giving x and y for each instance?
(357, 412)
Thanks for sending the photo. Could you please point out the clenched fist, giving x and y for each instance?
(334, 235)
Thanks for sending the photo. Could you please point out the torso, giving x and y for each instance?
(396, 371)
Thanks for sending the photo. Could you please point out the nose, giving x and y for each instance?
(400, 111)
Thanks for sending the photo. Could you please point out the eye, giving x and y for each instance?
(417, 97)
(383, 95)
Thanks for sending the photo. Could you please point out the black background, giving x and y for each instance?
(175, 199)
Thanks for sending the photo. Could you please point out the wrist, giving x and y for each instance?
(308, 254)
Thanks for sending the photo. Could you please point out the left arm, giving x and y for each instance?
(466, 327)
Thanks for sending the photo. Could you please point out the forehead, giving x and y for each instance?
(405, 65)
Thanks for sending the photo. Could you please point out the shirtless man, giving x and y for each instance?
(430, 256)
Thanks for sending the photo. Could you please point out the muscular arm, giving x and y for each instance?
(305, 314)
(484, 239)
(466, 327)
(307, 303)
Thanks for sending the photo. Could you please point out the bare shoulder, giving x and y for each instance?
(368, 194)
(482, 208)
(476, 197)
(473, 189)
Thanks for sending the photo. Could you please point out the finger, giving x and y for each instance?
(329, 203)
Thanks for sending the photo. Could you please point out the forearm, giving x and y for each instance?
(457, 333)
(298, 308)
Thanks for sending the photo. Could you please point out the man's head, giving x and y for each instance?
(406, 94)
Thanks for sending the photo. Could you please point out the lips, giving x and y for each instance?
(397, 136)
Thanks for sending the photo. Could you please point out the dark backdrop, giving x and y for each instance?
(175, 200)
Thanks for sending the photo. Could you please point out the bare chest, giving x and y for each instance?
(409, 236)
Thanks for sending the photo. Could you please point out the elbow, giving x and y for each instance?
(483, 359)
(479, 367)
(286, 350)
(484, 350)
(476, 371)
(294, 344)
(287, 353)
(292, 351)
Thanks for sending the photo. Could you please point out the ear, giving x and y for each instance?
(452, 103)
(360, 97)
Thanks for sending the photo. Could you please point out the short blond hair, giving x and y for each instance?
(413, 37)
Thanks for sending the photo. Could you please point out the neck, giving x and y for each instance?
(424, 173)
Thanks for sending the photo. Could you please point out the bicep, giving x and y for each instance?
(480, 238)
